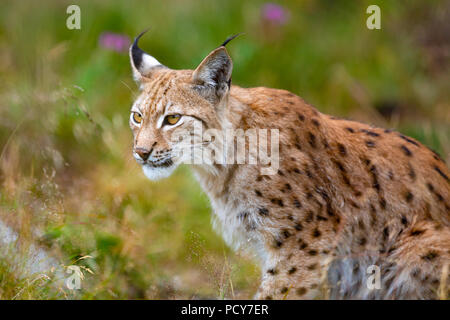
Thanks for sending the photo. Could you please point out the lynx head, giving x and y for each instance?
(173, 102)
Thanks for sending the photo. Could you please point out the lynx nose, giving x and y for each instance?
(143, 153)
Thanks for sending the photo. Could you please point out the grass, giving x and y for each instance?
(68, 183)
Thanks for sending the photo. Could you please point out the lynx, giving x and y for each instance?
(346, 196)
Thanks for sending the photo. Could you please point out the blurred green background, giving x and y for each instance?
(69, 187)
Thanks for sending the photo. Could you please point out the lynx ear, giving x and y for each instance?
(141, 62)
(212, 77)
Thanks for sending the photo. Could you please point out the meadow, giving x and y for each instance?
(72, 195)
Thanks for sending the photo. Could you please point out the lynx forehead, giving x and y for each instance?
(347, 196)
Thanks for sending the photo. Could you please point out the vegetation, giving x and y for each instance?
(68, 183)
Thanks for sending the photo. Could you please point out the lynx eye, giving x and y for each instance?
(136, 117)
(172, 119)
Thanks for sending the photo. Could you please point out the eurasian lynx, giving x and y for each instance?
(346, 195)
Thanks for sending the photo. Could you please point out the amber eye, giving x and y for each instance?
(137, 117)
(172, 119)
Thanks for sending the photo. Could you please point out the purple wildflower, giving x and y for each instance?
(275, 13)
(114, 41)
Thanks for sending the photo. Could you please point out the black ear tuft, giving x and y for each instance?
(142, 63)
(230, 38)
(136, 52)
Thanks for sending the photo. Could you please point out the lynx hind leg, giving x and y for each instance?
(414, 267)
(423, 258)
(293, 279)
(285, 289)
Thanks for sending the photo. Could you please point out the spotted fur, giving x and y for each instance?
(347, 195)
